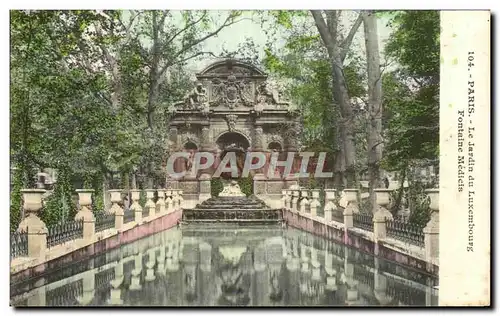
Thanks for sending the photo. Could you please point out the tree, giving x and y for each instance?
(327, 23)
(375, 109)
(411, 99)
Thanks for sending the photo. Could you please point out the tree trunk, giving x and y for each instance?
(374, 103)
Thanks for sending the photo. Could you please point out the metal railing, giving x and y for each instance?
(363, 221)
(337, 216)
(128, 216)
(407, 232)
(18, 244)
(64, 232)
(104, 220)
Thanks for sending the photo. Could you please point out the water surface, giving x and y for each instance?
(227, 265)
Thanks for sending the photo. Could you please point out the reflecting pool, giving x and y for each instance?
(226, 265)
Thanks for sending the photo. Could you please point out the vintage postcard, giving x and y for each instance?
(276, 158)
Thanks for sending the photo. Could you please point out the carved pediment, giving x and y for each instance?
(232, 84)
(224, 68)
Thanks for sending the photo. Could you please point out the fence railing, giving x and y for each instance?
(64, 232)
(338, 216)
(103, 221)
(128, 216)
(18, 244)
(405, 231)
(363, 221)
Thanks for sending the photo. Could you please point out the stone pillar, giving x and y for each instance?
(135, 195)
(170, 201)
(85, 213)
(431, 230)
(331, 273)
(316, 276)
(380, 285)
(150, 205)
(160, 204)
(315, 204)
(116, 198)
(283, 199)
(381, 214)
(175, 200)
(116, 291)
(329, 204)
(348, 217)
(352, 284)
(150, 272)
(135, 281)
(32, 224)
(88, 288)
(303, 257)
(295, 200)
(205, 187)
(181, 200)
(160, 267)
(304, 202)
(38, 296)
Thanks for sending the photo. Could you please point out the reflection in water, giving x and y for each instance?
(229, 266)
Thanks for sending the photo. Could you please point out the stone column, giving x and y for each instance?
(315, 204)
(303, 257)
(160, 204)
(88, 288)
(304, 202)
(38, 296)
(116, 197)
(431, 230)
(348, 217)
(135, 281)
(283, 199)
(316, 276)
(135, 195)
(116, 291)
(175, 200)
(181, 199)
(32, 224)
(160, 268)
(169, 201)
(352, 284)
(85, 213)
(150, 205)
(150, 272)
(205, 187)
(331, 280)
(382, 214)
(295, 200)
(329, 204)
(380, 285)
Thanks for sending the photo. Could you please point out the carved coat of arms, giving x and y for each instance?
(231, 92)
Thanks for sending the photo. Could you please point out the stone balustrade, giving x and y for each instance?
(35, 243)
(381, 225)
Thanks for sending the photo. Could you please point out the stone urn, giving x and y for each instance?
(433, 194)
(115, 195)
(351, 195)
(85, 196)
(383, 197)
(32, 200)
